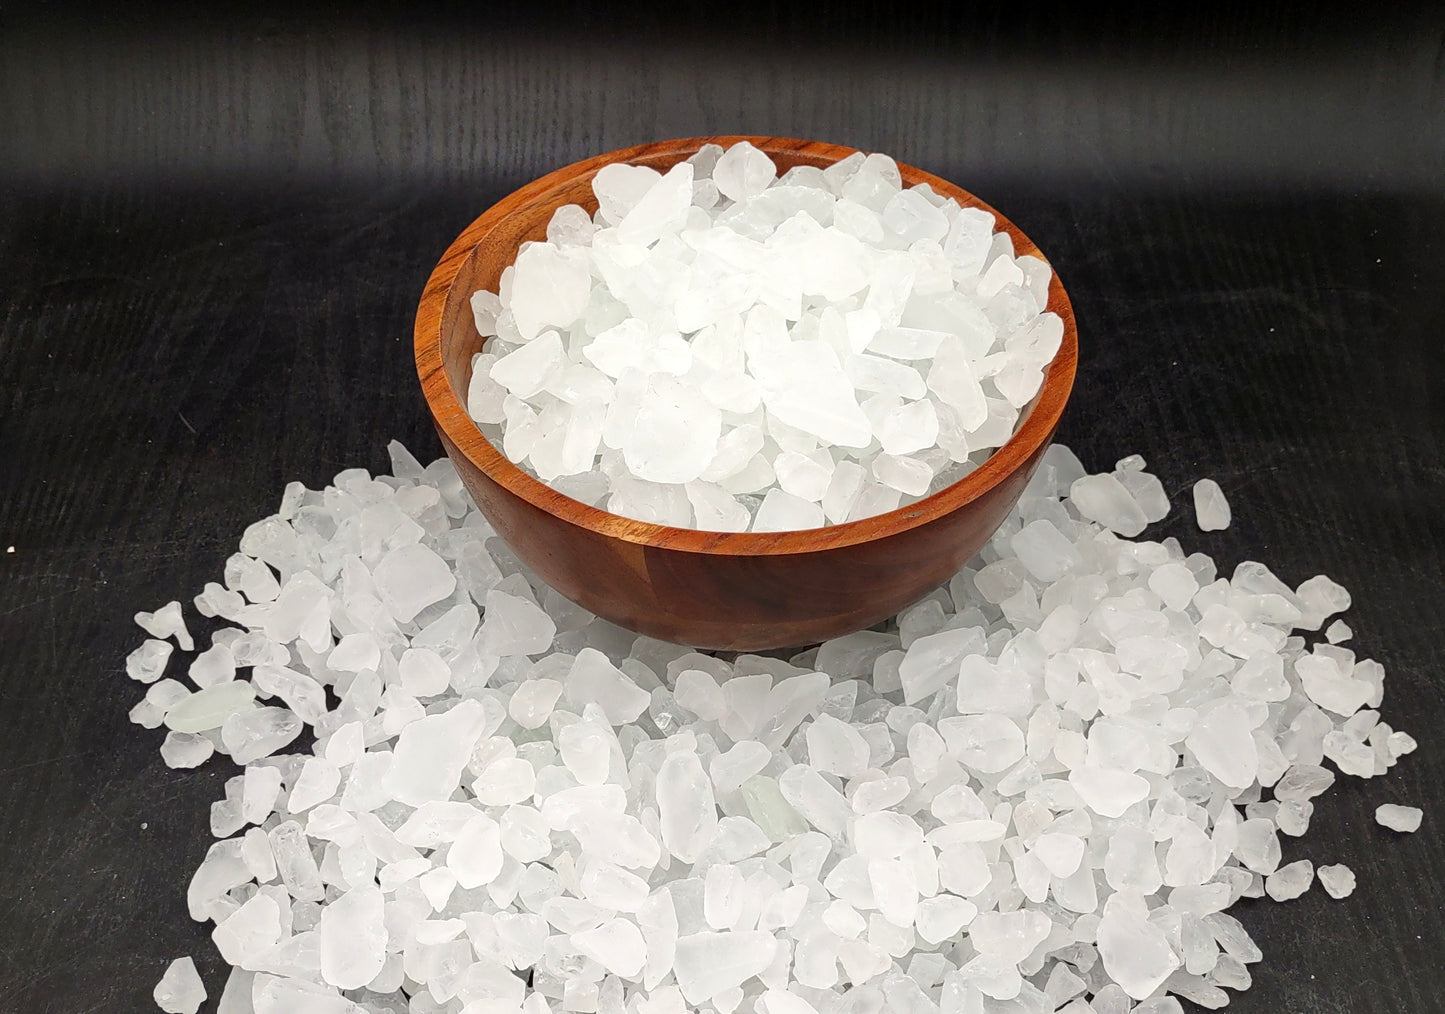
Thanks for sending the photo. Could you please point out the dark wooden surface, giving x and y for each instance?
(212, 241)
(719, 590)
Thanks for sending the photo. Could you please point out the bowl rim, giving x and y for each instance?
(1041, 416)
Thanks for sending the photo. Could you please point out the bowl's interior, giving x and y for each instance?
(481, 254)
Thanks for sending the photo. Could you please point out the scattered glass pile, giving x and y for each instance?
(1040, 789)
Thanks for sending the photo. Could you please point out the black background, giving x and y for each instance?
(213, 236)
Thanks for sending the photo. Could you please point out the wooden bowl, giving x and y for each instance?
(739, 591)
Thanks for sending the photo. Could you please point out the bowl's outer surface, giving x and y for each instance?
(712, 590)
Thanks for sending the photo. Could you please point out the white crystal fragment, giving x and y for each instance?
(708, 963)
(352, 937)
(686, 808)
(165, 622)
(742, 171)
(247, 935)
(616, 945)
(1104, 499)
(1399, 818)
(148, 662)
(186, 750)
(1290, 881)
(180, 990)
(550, 288)
(410, 578)
(1211, 509)
(1135, 952)
(431, 753)
(783, 512)
(1337, 880)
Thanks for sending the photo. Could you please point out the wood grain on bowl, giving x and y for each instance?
(739, 591)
